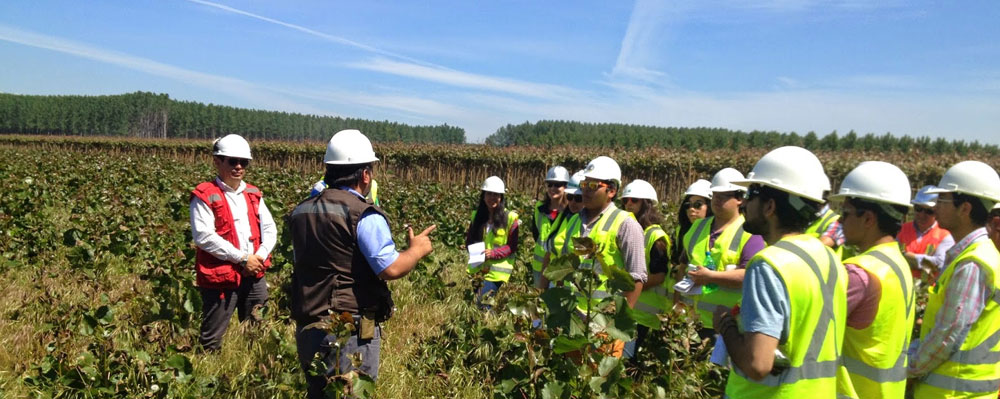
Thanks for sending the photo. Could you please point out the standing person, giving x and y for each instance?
(723, 237)
(371, 196)
(924, 241)
(234, 233)
(545, 213)
(639, 197)
(827, 226)
(993, 225)
(495, 226)
(344, 254)
(615, 232)
(556, 243)
(957, 356)
(694, 206)
(794, 291)
(876, 199)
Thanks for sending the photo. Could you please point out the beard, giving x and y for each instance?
(755, 224)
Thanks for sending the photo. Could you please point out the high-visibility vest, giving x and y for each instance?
(973, 371)
(816, 283)
(544, 227)
(654, 300)
(215, 273)
(557, 244)
(604, 234)
(822, 224)
(875, 357)
(373, 193)
(500, 269)
(726, 251)
(926, 244)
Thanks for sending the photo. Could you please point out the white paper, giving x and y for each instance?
(477, 254)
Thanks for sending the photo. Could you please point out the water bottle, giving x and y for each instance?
(710, 265)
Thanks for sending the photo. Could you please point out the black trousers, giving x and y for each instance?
(218, 307)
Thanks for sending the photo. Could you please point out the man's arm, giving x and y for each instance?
(633, 248)
(268, 237)
(419, 247)
(205, 237)
(935, 260)
(765, 314)
(964, 301)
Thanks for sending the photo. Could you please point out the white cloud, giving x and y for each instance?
(640, 53)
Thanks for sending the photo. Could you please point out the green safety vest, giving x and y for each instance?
(822, 224)
(816, 283)
(500, 269)
(544, 227)
(874, 358)
(373, 193)
(604, 234)
(726, 251)
(973, 371)
(557, 244)
(654, 300)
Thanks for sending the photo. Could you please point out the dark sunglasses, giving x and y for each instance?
(924, 210)
(752, 192)
(554, 184)
(575, 197)
(236, 161)
(630, 200)
(696, 205)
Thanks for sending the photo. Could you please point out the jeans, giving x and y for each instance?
(314, 341)
(488, 289)
(632, 347)
(218, 307)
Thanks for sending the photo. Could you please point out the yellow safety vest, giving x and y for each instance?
(822, 224)
(875, 357)
(726, 251)
(500, 269)
(373, 193)
(557, 244)
(973, 371)
(816, 283)
(654, 300)
(544, 227)
(604, 234)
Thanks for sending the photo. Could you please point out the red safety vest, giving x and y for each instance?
(213, 272)
(925, 245)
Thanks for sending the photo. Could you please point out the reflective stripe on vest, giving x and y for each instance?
(544, 227)
(654, 300)
(972, 370)
(500, 269)
(807, 377)
(604, 234)
(726, 250)
(875, 357)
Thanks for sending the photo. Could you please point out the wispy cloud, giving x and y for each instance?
(467, 80)
(639, 51)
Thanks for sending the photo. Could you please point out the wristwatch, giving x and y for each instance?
(243, 263)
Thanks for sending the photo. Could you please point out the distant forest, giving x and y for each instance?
(560, 133)
(154, 115)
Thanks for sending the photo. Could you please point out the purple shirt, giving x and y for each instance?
(753, 245)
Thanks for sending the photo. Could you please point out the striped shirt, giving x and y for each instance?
(964, 300)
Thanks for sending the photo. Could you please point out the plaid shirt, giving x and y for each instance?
(964, 300)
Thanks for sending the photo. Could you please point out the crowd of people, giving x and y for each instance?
(810, 292)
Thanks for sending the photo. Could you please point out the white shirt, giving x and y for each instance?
(203, 226)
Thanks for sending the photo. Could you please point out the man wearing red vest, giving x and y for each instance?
(924, 241)
(234, 233)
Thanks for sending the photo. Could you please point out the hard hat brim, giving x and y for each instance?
(843, 196)
(748, 182)
(352, 162)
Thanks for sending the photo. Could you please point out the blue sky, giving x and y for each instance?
(907, 67)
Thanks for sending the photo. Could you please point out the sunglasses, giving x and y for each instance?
(630, 200)
(924, 210)
(696, 205)
(752, 192)
(554, 184)
(236, 161)
(575, 197)
(592, 185)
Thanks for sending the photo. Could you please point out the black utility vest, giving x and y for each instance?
(330, 272)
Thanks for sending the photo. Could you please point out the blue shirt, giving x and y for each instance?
(764, 308)
(375, 239)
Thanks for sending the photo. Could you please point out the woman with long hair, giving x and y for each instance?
(555, 244)
(544, 216)
(639, 197)
(496, 227)
(694, 206)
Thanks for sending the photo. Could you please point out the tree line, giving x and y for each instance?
(152, 115)
(563, 133)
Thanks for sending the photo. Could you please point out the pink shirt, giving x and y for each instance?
(863, 295)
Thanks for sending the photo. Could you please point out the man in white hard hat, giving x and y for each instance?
(875, 199)
(924, 240)
(544, 216)
(344, 254)
(723, 238)
(794, 291)
(957, 356)
(234, 233)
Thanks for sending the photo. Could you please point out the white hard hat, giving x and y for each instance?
(574, 183)
(972, 178)
(493, 184)
(876, 181)
(700, 187)
(924, 198)
(721, 181)
(640, 189)
(603, 168)
(791, 169)
(232, 145)
(557, 174)
(349, 147)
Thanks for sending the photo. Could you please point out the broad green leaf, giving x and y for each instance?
(559, 268)
(607, 365)
(565, 344)
(561, 303)
(553, 390)
(618, 278)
